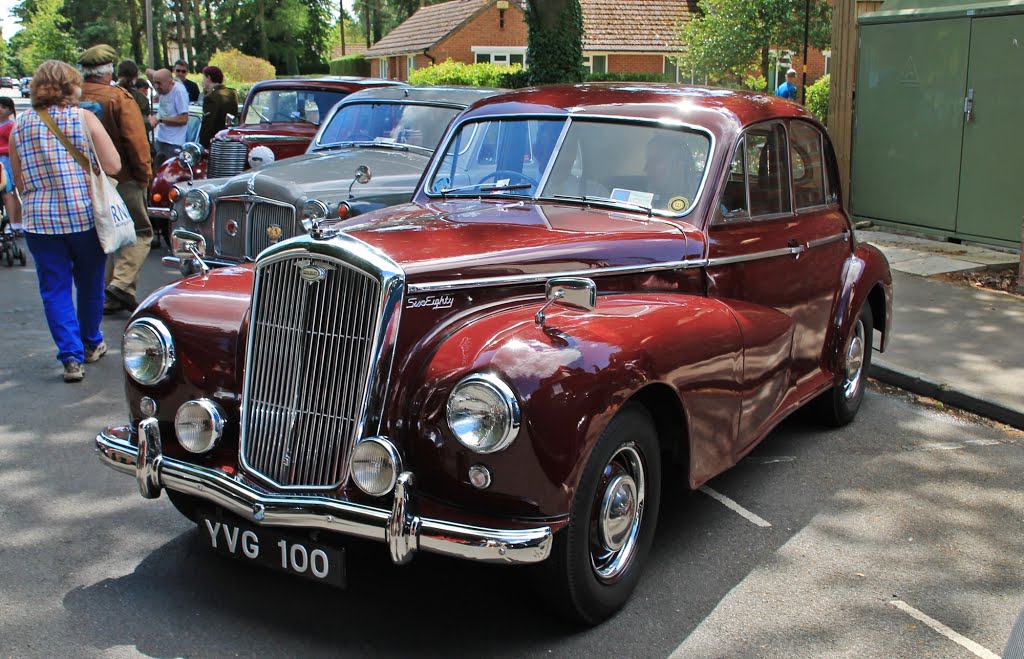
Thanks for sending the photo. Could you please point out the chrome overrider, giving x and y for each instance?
(403, 531)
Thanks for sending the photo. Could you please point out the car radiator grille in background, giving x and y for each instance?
(264, 216)
(227, 158)
(306, 376)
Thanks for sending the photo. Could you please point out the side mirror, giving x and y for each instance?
(190, 156)
(363, 176)
(575, 292)
(189, 246)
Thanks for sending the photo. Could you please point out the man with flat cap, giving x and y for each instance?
(120, 115)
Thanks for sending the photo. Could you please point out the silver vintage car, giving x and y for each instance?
(368, 154)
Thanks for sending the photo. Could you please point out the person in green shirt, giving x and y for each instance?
(219, 102)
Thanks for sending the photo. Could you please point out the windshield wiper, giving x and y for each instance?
(484, 187)
(604, 201)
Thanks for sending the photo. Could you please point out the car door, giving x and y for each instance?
(776, 247)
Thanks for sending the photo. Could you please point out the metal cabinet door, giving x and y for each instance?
(910, 94)
(991, 192)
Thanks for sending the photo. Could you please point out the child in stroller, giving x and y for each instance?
(10, 235)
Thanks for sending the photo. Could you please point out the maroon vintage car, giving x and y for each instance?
(595, 289)
(282, 115)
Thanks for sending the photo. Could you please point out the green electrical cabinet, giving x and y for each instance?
(938, 139)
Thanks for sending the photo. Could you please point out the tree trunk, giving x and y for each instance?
(178, 33)
(555, 43)
(138, 30)
(341, 25)
(366, 22)
(200, 41)
(186, 27)
(765, 63)
(261, 25)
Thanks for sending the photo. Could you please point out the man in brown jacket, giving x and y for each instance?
(120, 115)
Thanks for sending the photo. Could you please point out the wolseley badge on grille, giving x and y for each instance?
(311, 271)
(274, 233)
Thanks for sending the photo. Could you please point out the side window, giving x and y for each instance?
(733, 204)
(808, 167)
(767, 166)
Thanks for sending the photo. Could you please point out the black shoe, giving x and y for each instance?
(155, 244)
(126, 300)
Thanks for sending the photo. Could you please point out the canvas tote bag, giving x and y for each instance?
(114, 224)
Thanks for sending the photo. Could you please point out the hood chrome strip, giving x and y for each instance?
(540, 278)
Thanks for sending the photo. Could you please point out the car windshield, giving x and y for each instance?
(619, 163)
(392, 123)
(299, 106)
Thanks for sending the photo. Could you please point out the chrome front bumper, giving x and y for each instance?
(403, 531)
(159, 212)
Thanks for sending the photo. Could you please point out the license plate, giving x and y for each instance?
(275, 550)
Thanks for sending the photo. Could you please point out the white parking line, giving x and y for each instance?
(732, 505)
(944, 630)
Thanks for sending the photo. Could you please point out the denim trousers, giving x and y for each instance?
(62, 260)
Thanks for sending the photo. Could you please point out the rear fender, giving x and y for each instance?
(866, 279)
(570, 378)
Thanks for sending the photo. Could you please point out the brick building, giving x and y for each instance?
(620, 36)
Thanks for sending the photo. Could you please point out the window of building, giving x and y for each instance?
(410, 63)
(503, 56)
(782, 61)
(383, 64)
(595, 63)
(828, 61)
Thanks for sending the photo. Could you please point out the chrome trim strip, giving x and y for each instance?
(273, 138)
(755, 256)
(818, 242)
(488, 545)
(253, 199)
(159, 212)
(541, 278)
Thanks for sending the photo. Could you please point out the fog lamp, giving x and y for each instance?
(198, 425)
(375, 466)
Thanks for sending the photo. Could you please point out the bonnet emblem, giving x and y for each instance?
(250, 186)
(274, 233)
(312, 271)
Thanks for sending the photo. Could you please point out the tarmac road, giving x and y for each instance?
(838, 543)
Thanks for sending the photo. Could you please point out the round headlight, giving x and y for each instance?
(198, 425)
(197, 205)
(483, 413)
(148, 351)
(191, 153)
(375, 465)
(314, 209)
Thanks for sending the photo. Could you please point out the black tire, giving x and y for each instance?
(184, 504)
(839, 405)
(587, 578)
(8, 256)
(21, 257)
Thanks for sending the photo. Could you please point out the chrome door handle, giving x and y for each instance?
(969, 104)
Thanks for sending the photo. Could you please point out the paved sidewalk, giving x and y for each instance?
(960, 345)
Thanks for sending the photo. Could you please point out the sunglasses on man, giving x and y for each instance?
(180, 71)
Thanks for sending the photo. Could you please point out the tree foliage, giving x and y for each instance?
(44, 36)
(555, 48)
(731, 37)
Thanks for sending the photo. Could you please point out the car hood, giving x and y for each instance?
(477, 239)
(327, 175)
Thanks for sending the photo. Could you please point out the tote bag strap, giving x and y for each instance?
(79, 157)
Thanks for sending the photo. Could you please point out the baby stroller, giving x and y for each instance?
(10, 244)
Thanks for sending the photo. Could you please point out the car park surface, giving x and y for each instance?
(388, 132)
(508, 368)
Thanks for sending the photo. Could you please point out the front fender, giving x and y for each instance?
(571, 377)
(866, 279)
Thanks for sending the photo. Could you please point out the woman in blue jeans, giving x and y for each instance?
(57, 212)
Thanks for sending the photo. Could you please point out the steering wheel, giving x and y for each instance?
(514, 178)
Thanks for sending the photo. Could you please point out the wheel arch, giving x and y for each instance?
(670, 421)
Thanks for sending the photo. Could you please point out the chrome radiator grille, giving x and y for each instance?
(311, 353)
(227, 158)
(262, 218)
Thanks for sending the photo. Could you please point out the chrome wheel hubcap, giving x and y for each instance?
(854, 361)
(615, 525)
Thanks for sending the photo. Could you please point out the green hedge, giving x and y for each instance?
(351, 65)
(817, 98)
(629, 77)
(450, 72)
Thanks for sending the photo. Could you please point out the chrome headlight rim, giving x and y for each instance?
(168, 357)
(513, 413)
(393, 455)
(216, 415)
(314, 209)
(201, 200)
